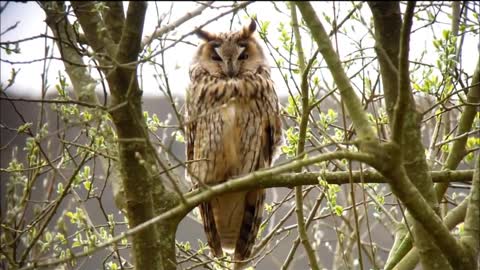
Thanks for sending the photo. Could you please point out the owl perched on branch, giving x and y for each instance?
(233, 127)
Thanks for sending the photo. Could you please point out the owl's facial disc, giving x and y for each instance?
(229, 60)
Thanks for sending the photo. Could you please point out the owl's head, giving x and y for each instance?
(231, 54)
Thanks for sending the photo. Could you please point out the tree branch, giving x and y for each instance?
(302, 231)
(83, 84)
(464, 126)
(352, 102)
(298, 38)
(388, 23)
(407, 256)
(93, 27)
(341, 178)
(114, 19)
(471, 238)
(403, 99)
(145, 192)
(171, 26)
(129, 46)
(422, 212)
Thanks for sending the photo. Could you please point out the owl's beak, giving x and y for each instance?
(231, 69)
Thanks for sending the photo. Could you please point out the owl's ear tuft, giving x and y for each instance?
(249, 30)
(252, 26)
(207, 36)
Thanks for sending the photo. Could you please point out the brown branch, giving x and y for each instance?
(419, 208)
(352, 102)
(410, 260)
(72, 102)
(144, 188)
(302, 231)
(464, 126)
(403, 99)
(388, 23)
(129, 46)
(171, 26)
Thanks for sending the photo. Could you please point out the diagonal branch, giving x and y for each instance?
(457, 151)
(409, 257)
(171, 26)
(421, 211)
(352, 102)
(83, 84)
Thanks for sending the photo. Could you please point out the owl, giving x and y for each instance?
(232, 128)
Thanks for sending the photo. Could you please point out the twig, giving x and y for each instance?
(72, 102)
(171, 26)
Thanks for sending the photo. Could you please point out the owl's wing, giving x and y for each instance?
(205, 208)
(190, 131)
(252, 218)
(190, 127)
(196, 135)
(210, 229)
(254, 201)
(271, 139)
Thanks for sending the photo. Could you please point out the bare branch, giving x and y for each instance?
(354, 107)
(410, 260)
(73, 102)
(403, 74)
(457, 150)
(171, 26)
(302, 231)
(129, 46)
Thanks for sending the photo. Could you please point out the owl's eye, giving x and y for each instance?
(243, 55)
(215, 56)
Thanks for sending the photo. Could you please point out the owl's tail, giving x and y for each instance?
(252, 219)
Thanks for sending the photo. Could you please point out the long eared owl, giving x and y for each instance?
(233, 127)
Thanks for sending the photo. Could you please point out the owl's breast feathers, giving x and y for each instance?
(234, 99)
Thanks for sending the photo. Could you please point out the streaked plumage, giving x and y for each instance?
(233, 127)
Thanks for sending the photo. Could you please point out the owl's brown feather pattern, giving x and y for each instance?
(233, 128)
